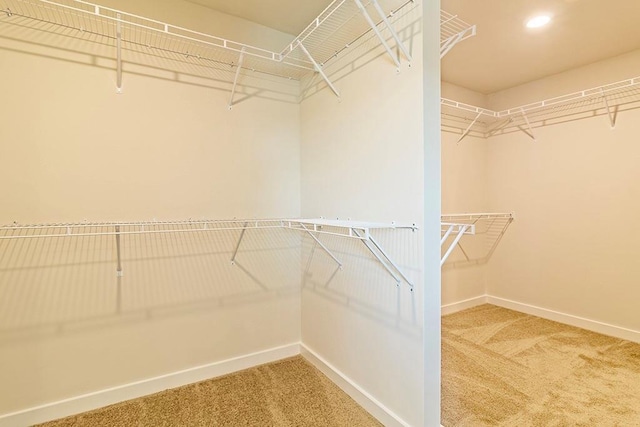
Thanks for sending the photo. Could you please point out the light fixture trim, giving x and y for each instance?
(538, 21)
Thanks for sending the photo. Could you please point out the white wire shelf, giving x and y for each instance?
(359, 230)
(338, 27)
(455, 226)
(605, 100)
(453, 30)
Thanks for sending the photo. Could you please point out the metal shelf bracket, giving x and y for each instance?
(612, 117)
(235, 79)
(466, 132)
(458, 230)
(118, 54)
(530, 133)
(374, 27)
(319, 69)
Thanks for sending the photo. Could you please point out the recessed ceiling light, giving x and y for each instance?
(538, 21)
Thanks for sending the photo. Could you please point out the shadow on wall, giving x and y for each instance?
(69, 41)
(57, 285)
(363, 284)
(92, 50)
(478, 248)
(367, 48)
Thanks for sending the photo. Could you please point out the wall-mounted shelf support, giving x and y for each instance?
(118, 54)
(468, 129)
(119, 266)
(454, 227)
(526, 120)
(322, 245)
(235, 79)
(374, 27)
(393, 32)
(453, 30)
(612, 117)
(457, 230)
(357, 230)
(318, 68)
(235, 251)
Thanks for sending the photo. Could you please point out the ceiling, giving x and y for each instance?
(288, 16)
(504, 53)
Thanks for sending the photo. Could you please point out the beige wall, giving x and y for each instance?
(71, 149)
(464, 190)
(599, 73)
(574, 192)
(362, 158)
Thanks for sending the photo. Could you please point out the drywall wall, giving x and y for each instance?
(593, 75)
(574, 191)
(464, 190)
(362, 158)
(167, 148)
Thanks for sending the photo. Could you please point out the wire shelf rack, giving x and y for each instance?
(606, 100)
(453, 30)
(340, 25)
(483, 230)
(358, 230)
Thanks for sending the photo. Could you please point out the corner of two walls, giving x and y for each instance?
(570, 253)
(464, 190)
(362, 158)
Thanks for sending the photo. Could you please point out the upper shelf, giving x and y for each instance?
(339, 26)
(606, 100)
(453, 30)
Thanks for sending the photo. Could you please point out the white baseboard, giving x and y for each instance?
(357, 393)
(568, 319)
(99, 399)
(463, 305)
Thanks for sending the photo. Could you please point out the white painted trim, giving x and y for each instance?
(463, 305)
(568, 319)
(102, 398)
(357, 393)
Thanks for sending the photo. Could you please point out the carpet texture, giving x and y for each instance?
(291, 392)
(505, 368)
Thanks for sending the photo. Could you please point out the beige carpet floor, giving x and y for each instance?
(504, 368)
(291, 392)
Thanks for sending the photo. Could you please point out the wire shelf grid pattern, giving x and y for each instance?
(483, 122)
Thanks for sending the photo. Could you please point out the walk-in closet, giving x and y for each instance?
(347, 212)
(539, 120)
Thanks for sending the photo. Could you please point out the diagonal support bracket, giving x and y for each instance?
(466, 132)
(526, 120)
(235, 252)
(449, 43)
(612, 117)
(393, 32)
(374, 27)
(457, 230)
(235, 79)
(118, 53)
(321, 245)
(382, 257)
(319, 69)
